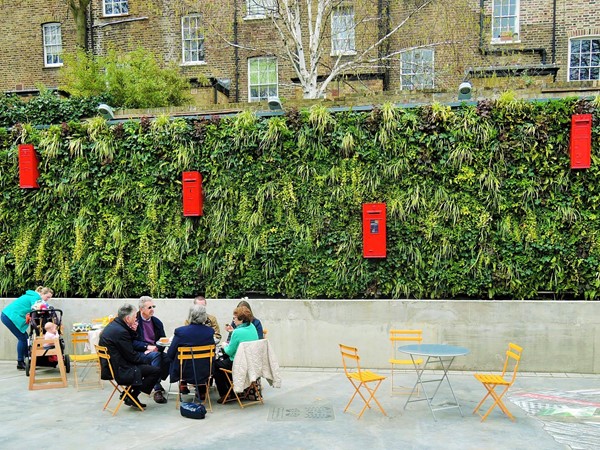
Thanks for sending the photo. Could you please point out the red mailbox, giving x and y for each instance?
(581, 141)
(374, 244)
(192, 193)
(28, 167)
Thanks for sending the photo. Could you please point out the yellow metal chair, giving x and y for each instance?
(490, 382)
(398, 338)
(124, 391)
(360, 379)
(191, 354)
(84, 362)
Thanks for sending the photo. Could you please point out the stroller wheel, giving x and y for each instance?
(67, 363)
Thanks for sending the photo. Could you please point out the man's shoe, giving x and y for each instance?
(130, 402)
(183, 389)
(159, 397)
(20, 365)
(221, 400)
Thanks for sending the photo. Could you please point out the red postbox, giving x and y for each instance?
(581, 141)
(192, 193)
(374, 234)
(28, 167)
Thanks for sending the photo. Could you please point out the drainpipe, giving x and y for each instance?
(236, 51)
(481, 23)
(553, 31)
(91, 29)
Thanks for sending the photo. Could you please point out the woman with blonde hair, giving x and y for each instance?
(14, 316)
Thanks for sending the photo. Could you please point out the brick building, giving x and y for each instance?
(234, 44)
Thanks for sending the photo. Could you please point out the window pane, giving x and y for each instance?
(584, 61)
(262, 78)
(192, 39)
(417, 69)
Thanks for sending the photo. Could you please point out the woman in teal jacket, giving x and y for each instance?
(244, 331)
(14, 317)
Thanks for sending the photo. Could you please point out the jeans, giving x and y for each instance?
(22, 337)
(155, 359)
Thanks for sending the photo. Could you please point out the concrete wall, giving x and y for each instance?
(557, 336)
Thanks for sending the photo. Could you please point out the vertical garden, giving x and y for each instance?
(481, 203)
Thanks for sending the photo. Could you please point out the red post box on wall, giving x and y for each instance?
(28, 167)
(374, 234)
(581, 141)
(192, 193)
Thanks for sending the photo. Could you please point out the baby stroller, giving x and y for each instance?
(37, 322)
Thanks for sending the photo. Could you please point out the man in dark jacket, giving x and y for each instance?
(149, 330)
(127, 363)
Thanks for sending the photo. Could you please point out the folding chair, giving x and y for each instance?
(490, 382)
(360, 379)
(253, 360)
(124, 391)
(191, 354)
(398, 337)
(83, 361)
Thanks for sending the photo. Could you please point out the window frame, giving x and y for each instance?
(515, 36)
(256, 8)
(183, 41)
(56, 31)
(259, 98)
(350, 35)
(413, 73)
(121, 3)
(593, 50)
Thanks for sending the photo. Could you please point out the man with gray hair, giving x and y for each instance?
(129, 367)
(197, 333)
(150, 329)
(211, 321)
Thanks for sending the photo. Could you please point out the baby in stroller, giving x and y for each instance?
(50, 321)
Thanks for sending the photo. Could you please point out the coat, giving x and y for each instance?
(139, 342)
(117, 337)
(190, 336)
(18, 309)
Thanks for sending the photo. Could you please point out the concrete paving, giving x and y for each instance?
(552, 411)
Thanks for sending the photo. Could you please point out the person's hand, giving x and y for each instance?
(228, 328)
(151, 348)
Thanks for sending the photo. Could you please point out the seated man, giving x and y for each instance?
(197, 333)
(150, 329)
(211, 321)
(127, 363)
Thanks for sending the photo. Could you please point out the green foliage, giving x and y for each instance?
(130, 80)
(481, 202)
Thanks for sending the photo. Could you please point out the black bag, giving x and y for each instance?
(192, 410)
(189, 409)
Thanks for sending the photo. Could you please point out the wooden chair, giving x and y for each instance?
(360, 379)
(490, 382)
(186, 354)
(397, 338)
(124, 391)
(40, 348)
(84, 362)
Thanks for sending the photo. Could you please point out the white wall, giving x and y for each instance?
(556, 336)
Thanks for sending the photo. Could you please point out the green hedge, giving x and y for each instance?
(481, 203)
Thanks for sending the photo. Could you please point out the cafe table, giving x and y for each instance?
(441, 354)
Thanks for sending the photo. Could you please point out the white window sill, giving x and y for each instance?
(500, 42)
(255, 17)
(193, 63)
(52, 66)
(109, 16)
(344, 53)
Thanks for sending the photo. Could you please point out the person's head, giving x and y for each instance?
(50, 327)
(45, 292)
(147, 306)
(127, 314)
(246, 304)
(242, 314)
(200, 301)
(197, 314)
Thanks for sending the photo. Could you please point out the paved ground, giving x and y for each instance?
(553, 411)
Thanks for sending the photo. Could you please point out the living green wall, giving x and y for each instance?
(481, 203)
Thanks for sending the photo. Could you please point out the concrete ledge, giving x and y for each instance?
(556, 336)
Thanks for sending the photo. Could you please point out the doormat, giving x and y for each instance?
(303, 412)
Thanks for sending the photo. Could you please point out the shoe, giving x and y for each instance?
(221, 400)
(21, 365)
(159, 397)
(183, 389)
(130, 402)
(201, 396)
